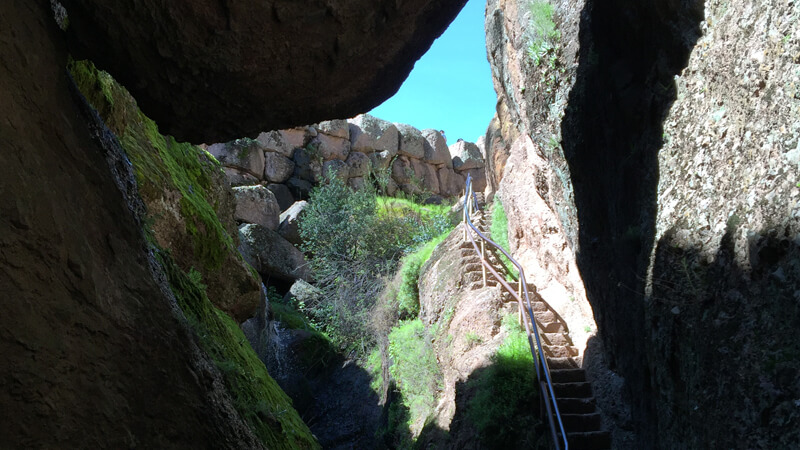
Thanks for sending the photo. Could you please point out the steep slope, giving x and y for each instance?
(670, 134)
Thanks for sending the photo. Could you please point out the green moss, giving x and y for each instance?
(499, 233)
(408, 291)
(415, 370)
(160, 163)
(256, 395)
(164, 166)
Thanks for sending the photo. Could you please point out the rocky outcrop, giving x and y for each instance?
(660, 143)
(360, 150)
(236, 88)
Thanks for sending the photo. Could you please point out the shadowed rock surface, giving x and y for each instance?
(211, 71)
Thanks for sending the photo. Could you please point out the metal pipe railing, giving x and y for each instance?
(542, 368)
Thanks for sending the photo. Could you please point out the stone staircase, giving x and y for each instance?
(573, 392)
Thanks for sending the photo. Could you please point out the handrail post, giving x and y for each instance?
(483, 261)
(519, 293)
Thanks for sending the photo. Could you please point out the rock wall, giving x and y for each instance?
(669, 136)
(365, 149)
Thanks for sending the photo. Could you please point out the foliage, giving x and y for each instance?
(541, 33)
(407, 296)
(504, 408)
(499, 233)
(355, 240)
(415, 371)
(257, 397)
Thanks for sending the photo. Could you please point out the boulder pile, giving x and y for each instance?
(365, 149)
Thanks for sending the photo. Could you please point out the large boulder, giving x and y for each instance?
(282, 141)
(451, 184)
(335, 168)
(370, 134)
(290, 223)
(238, 177)
(436, 150)
(335, 128)
(207, 71)
(245, 155)
(402, 171)
(425, 176)
(478, 178)
(412, 144)
(277, 168)
(381, 160)
(307, 164)
(466, 155)
(270, 254)
(358, 165)
(256, 204)
(331, 147)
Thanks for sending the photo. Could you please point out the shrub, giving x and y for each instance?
(541, 32)
(407, 296)
(505, 408)
(355, 242)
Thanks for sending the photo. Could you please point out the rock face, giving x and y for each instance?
(237, 89)
(671, 181)
(91, 334)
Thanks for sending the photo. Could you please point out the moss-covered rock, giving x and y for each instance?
(188, 202)
(257, 397)
(190, 221)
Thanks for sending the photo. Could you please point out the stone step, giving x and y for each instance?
(592, 440)
(570, 405)
(473, 267)
(581, 389)
(582, 422)
(566, 375)
(561, 363)
(479, 284)
(559, 351)
(553, 338)
(545, 316)
(551, 327)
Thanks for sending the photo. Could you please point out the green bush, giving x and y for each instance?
(355, 240)
(505, 407)
(541, 33)
(408, 291)
(416, 372)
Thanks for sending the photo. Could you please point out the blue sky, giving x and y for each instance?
(450, 87)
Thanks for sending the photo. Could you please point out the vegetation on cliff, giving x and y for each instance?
(189, 177)
(356, 240)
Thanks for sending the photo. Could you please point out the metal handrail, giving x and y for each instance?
(542, 368)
